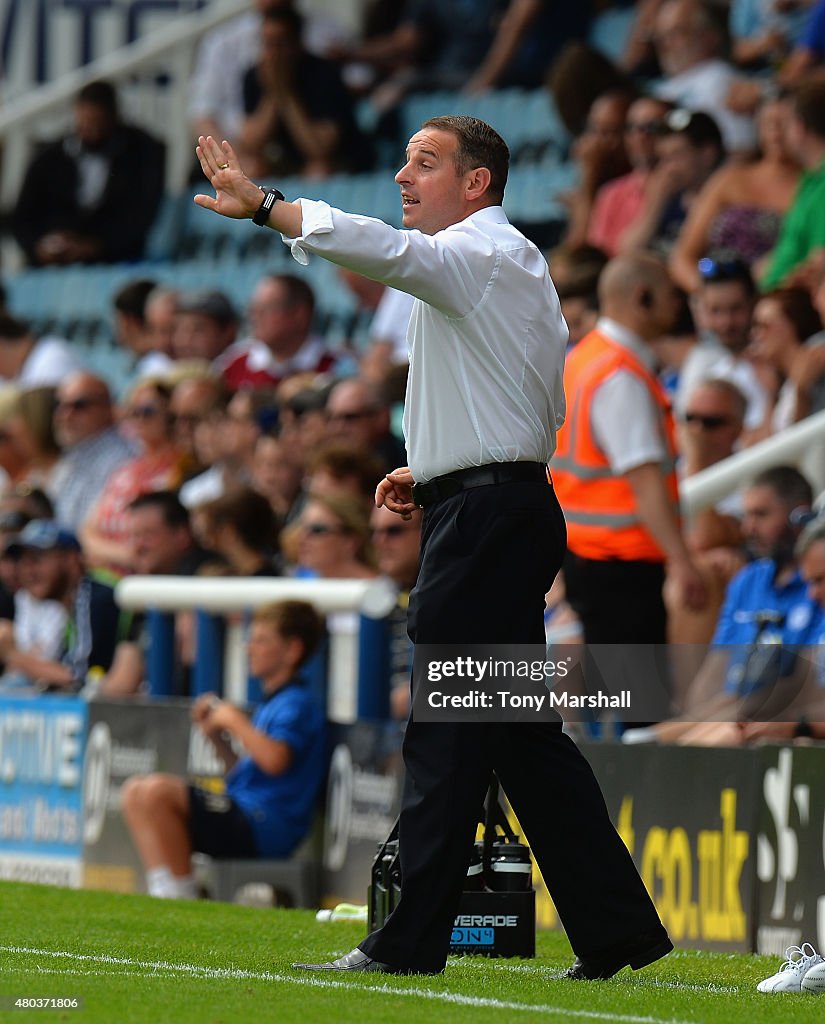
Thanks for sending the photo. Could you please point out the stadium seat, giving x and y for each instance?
(610, 30)
(294, 883)
(526, 118)
(164, 236)
(533, 192)
(206, 236)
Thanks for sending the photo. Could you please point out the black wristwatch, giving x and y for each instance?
(271, 196)
(803, 729)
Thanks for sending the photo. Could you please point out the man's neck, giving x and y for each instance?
(287, 349)
(277, 681)
(815, 155)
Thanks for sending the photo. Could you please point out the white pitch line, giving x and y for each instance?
(553, 975)
(215, 973)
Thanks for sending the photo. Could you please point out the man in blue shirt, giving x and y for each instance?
(768, 614)
(271, 788)
(804, 717)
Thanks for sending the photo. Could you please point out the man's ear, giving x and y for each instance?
(294, 651)
(478, 181)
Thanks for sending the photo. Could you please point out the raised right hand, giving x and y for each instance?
(235, 195)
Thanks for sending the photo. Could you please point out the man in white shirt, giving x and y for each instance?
(688, 40)
(33, 362)
(484, 401)
(723, 309)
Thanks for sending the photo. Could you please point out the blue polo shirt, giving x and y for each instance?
(751, 593)
(280, 807)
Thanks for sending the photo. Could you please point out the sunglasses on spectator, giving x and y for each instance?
(388, 531)
(143, 412)
(349, 417)
(707, 422)
(77, 404)
(320, 529)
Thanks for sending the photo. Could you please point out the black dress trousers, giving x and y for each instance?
(488, 557)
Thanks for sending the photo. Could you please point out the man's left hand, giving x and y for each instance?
(395, 492)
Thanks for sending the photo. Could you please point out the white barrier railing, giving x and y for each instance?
(220, 596)
(373, 597)
(801, 445)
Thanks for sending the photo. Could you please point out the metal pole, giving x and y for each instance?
(160, 666)
(207, 672)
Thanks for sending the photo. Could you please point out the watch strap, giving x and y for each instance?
(271, 196)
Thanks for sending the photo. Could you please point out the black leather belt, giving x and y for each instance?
(450, 484)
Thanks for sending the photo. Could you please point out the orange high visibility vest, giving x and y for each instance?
(599, 506)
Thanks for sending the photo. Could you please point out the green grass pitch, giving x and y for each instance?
(134, 959)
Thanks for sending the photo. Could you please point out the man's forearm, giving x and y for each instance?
(35, 667)
(656, 510)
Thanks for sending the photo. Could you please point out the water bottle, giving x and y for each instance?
(378, 894)
(510, 866)
(343, 912)
(393, 876)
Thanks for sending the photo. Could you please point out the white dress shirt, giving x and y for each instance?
(486, 334)
(391, 321)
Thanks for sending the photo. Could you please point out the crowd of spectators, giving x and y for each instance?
(701, 185)
(240, 445)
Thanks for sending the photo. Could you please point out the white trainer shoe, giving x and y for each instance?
(791, 974)
(814, 980)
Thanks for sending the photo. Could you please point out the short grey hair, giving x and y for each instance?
(812, 534)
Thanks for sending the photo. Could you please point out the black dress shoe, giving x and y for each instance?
(355, 960)
(603, 967)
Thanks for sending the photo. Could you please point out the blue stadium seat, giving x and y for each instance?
(533, 192)
(206, 236)
(526, 118)
(610, 30)
(30, 293)
(164, 236)
(111, 362)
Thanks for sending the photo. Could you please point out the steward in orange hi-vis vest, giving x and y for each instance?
(599, 505)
